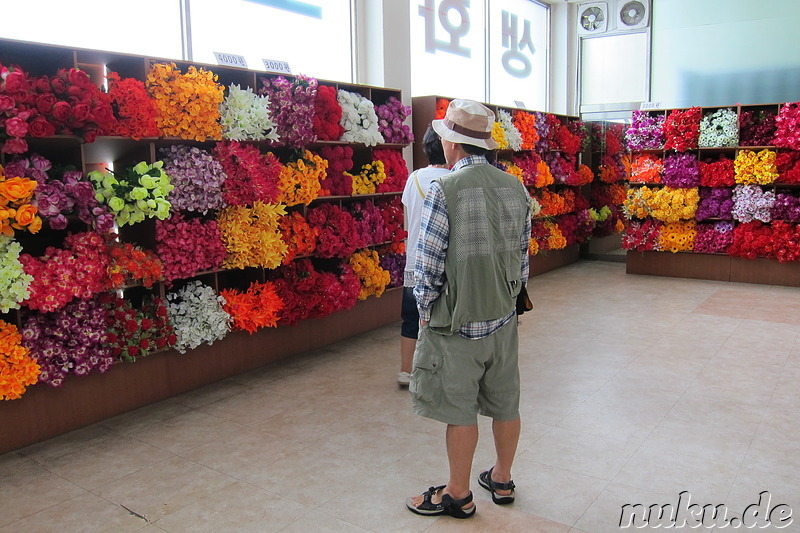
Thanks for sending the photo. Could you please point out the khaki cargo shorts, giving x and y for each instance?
(454, 379)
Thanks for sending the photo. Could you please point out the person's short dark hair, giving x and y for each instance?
(471, 149)
(432, 146)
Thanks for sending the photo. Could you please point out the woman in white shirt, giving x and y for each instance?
(413, 198)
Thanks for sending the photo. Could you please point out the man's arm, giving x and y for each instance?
(431, 251)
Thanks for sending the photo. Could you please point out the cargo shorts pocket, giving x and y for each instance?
(426, 379)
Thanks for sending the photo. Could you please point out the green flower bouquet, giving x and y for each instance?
(139, 192)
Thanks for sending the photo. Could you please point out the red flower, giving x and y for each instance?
(131, 326)
(133, 351)
(16, 127)
(144, 344)
(40, 127)
(161, 343)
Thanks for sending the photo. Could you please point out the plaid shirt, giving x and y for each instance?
(432, 250)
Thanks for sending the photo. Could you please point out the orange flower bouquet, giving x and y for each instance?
(647, 168)
(678, 236)
(526, 125)
(17, 368)
(16, 210)
(299, 236)
(367, 266)
(187, 104)
(556, 240)
(251, 235)
(257, 307)
(300, 179)
(441, 107)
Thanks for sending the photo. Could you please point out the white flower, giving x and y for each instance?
(196, 314)
(245, 115)
(513, 136)
(359, 120)
(719, 129)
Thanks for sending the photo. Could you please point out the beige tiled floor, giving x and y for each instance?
(634, 389)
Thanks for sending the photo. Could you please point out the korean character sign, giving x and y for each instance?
(448, 47)
(516, 46)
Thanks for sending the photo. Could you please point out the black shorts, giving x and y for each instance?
(409, 314)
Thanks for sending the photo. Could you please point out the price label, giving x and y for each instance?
(648, 106)
(273, 65)
(519, 103)
(230, 60)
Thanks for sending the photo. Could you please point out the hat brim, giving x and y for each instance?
(449, 135)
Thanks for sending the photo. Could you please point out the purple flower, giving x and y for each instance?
(681, 171)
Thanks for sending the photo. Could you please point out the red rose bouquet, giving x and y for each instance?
(337, 182)
(682, 129)
(250, 175)
(327, 114)
(134, 111)
(338, 235)
(392, 212)
(394, 166)
(134, 333)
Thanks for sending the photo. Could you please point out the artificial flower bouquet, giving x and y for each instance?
(131, 265)
(647, 168)
(187, 104)
(137, 193)
(18, 368)
(392, 212)
(681, 171)
(291, 104)
(719, 129)
(327, 114)
(678, 236)
(391, 116)
(134, 111)
(756, 128)
(196, 314)
(367, 266)
(395, 167)
(246, 116)
(369, 223)
(642, 236)
(17, 211)
(299, 236)
(758, 168)
(787, 126)
(525, 124)
(715, 203)
(338, 235)
(750, 203)
(257, 307)
(338, 181)
(511, 135)
(682, 129)
(719, 173)
(646, 131)
(187, 246)
(71, 340)
(713, 238)
(197, 178)
(14, 281)
(371, 176)
(135, 333)
(249, 175)
(359, 120)
(300, 179)
(252, 236)
(786, 207)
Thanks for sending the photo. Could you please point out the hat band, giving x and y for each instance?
(475, 134)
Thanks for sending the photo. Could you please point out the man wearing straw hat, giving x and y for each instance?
(472, 260)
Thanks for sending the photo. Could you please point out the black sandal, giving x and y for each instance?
(447, 506)
(485, 481)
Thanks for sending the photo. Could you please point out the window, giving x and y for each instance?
(313, 36)
(144, 27)
(614, 69)
(488, 50)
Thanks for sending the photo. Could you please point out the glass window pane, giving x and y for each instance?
(742, 51)
(614, 69)
(448, 48)
(518, 52)
(144, 27)
(312, 36)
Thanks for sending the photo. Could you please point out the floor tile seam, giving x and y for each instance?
(590, 505)
(94, 490)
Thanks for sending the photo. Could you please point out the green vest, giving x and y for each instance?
(487, 210)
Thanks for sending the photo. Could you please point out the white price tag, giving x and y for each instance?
(273, 65)
(230, 60)
(648, 106)
(519, 104)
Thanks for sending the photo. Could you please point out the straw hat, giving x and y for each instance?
(467, 122)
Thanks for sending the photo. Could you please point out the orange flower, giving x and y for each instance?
(441, 107)
(17, 368)
(526, 124)
(18, 190)
(26, 214)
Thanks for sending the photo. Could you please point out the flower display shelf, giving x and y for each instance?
(44, 412)
(756, 133)
(425, 110)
